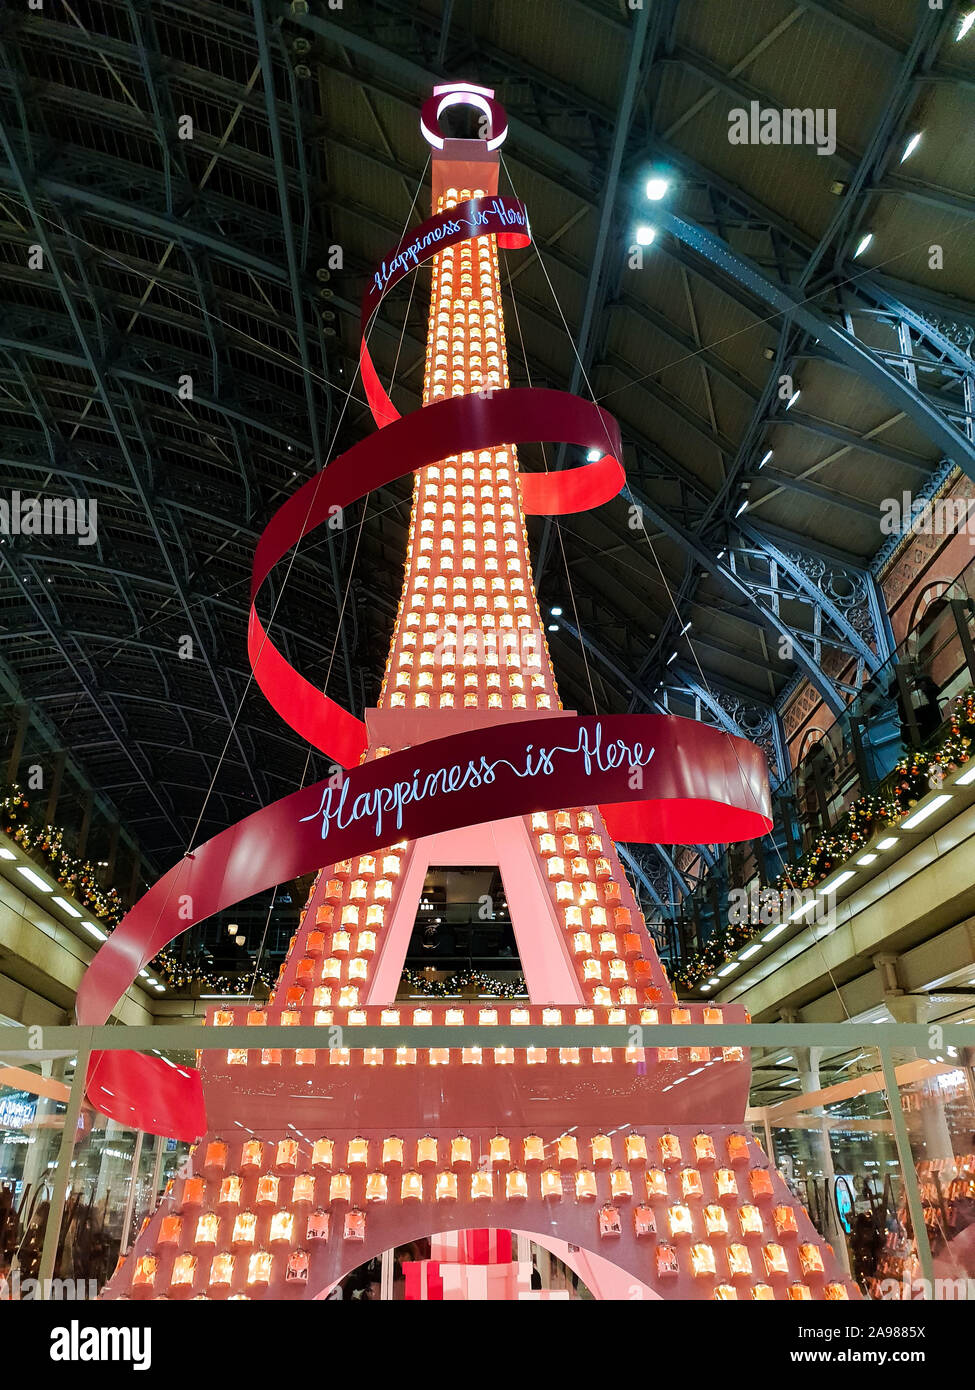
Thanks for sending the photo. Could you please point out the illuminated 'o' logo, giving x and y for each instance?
(463, 94)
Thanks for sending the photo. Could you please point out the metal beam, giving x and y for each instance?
(853, 440)
(690, 542)
(829, 608)
(927, 417)
(100, 701)
(419, 79)
(628, 858)
(822, 494)
(929, 27)
(101, 387)
(595, 290)
(267, 71)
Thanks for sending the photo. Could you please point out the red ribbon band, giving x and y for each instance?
(695, 785)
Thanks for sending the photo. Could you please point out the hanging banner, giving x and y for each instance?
(505, 218)
(674, 779)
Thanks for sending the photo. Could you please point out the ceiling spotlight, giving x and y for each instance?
(594, 454)
(672, 657)
(721, 554)
(232, 929)
(862, 244)
(740, 510)
(911, 145)
(555, 612)
(553, 627)
(240, 940)
(686, 627)
(765, 459)
(645, 235)
(967, 20)
(657, 187)
(792, 399)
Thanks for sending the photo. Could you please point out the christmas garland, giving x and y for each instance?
(916, 774)
(420, 983)
(179, 975)
(46, 842)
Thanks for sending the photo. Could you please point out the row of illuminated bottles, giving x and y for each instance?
(616, 959)
(285, 1155)
(223, 1269)
(453, 671)
(701, 1255)
(260, 1266)
(681, 1219)
(512, 1184)
(489, 1016)
(471, 1055)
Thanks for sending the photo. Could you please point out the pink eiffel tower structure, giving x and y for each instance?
(632, 1164)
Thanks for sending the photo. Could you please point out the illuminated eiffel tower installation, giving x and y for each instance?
(632, 1163)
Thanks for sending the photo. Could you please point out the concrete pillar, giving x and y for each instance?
(131, 1193)
(808, 1060)
(386, 1276)
(932, 1138)
(43, 1147)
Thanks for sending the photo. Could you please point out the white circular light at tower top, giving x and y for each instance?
(463, 94)
(657, 187)
(645, 235)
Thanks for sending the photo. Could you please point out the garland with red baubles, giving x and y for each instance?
(45, 843)
(914, 776)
